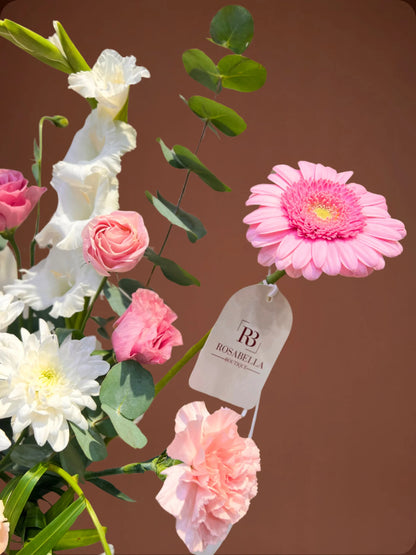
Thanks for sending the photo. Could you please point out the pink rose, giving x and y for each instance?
(212, 488)
(144, 332)
(115, 242)
(4, 529)
(16, 198)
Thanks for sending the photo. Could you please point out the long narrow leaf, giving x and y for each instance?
(78, 538)
(18, 499)
(63, 502)
(49, 536)
(110, 488)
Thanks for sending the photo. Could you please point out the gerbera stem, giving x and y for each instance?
(176, 367)
(72, 482)
(272, 278)
(91, 305)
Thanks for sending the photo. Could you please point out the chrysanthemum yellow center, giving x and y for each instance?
(49, 376)
(323, 212)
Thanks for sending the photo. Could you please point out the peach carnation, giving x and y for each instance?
(4, 529)
(212, 488)
(311, 221)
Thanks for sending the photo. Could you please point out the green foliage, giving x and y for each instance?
(50, 535)
(3, 243)
(27, 455)
(128, 388)
(126, 429)
(90, 442)
(176, 216)
(102, 322)
(35, 45)
(63, 502)
(241, 74)
(118, 302)
(110, 488)
(73, 56)
(21, 493)
(171, 270)
(232, 27)
(77, 538)
(201, 68)
(170, 155)
(223, 118)
(73, 460)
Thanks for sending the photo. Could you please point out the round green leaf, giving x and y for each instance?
(223, 118)
(126, 429)
(201, 68)
(241, 74)
(128, 388)
(232, 27)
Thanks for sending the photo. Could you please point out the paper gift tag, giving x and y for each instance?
(243, 346)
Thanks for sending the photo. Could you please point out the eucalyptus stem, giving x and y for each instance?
(176, 367)
(188, 173)
(72, 482)
(95, 297)
(39, 184)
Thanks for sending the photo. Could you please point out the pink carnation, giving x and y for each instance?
(311, 221)
(212, 489)
(145, 332)
(4, 529)
(115, 242)
(16, 198)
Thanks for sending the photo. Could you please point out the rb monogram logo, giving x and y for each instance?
(249, 337)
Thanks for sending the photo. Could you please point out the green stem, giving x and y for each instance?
(133, 468)
(188, 173)
(95, 297)
(72, 482)
(272, 278)
(12, 241)
(176, 367)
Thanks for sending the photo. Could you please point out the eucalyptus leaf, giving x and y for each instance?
(50, 535)
(193, 163)
(129, 286)
(126, 429)
(77, 538)
(232, 27)
(110, 488)
(170, 155)
(28, 455)
(90, 442)
(36, 151)
(176, 216)
(200, 67)
(128, 388)
(73, 460)
(35, 171)
(3, 243)
(35, 45)
(118, 302)
(241, 74)
(171, 270)
(225, 119)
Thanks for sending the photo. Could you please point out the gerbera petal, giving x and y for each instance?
(346, 254)
(382, 231)
(387, 248)
(343, 177)
(264, 200)
(271, 225)
(307, 169)
(261, 214)
(366, 254)
(279, 181)
(291, 272)
(302, 255)
(375, 211)
(319, 252)
(290, 175)
(288, 245)
(267, 255)
(311, 272)
(332, 264)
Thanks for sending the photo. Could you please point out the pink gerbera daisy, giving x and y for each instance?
(311, 221)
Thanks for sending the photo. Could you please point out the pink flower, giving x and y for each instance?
(144, 332)
(16, 198)
(115, 242)
(4, 530)
(311, 221)
(212, 489)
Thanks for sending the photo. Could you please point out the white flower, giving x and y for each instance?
(78, 202)
(45, 385)
(111, 549)
(109, 80)
(8, 266)
(60, 280)
(10, 309)
(4, 441)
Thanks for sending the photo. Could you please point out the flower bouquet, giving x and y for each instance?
(66, 392)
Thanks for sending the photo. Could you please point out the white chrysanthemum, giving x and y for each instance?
(4, 441)
(44, 385)
(78, 202)
(60, 280)
(8, 267)
(10, 309)
(109, 80)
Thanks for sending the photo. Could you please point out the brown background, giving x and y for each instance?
(336, 426)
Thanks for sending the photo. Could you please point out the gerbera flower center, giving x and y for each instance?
(323, 209)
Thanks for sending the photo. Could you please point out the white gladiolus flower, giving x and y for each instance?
(78, 202)
(4, 441)
(60, 280)
(8, 266)
(44, 385)
(108, 81)
(10, 309)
